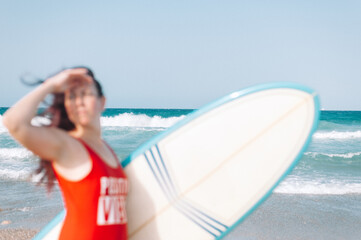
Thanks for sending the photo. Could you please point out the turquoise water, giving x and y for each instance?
(320, 199)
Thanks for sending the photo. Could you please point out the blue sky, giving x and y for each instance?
(184, 54)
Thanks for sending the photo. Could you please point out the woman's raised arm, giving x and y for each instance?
(46, 142)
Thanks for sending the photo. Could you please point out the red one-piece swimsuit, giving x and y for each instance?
(95, 205)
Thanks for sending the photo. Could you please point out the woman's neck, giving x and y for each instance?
(87, 132)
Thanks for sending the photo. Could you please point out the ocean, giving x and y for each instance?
(320, 198)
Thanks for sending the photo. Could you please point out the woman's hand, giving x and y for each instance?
(18, 118)
(68, 78)
(45, 142)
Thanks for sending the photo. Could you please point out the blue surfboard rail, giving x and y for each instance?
(195, 114)
(230, 97)
(57, 219)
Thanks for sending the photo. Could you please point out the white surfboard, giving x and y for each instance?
(202, 177)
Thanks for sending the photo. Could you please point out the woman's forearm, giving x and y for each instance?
(21, 114)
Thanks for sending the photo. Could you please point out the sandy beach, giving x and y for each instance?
(17, 234)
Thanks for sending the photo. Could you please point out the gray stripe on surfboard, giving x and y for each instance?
(161, 173)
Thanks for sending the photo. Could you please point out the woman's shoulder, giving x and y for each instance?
(74, 164)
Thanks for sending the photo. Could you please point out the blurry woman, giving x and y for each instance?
(91, 179)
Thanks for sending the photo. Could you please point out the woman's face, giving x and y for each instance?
(83, 105)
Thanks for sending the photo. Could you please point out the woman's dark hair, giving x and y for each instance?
(59, 118)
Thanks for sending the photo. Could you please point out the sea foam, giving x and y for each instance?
(11, 153)
(318, 187)
(15, 174)
(121, 120)
(139, 120)
(344, 155)
(337, 135)
(2, 127)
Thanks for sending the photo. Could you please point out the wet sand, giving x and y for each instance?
(17, 234)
